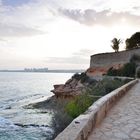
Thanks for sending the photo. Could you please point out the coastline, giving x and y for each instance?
(57, 105)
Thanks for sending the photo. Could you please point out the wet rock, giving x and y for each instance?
(30, 125)
(8, 107)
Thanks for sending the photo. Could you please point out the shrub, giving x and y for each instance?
(65, 110)
(112, 84)
(76, 76)
(60, 121)
(83, 77)
(98, 89)
(79, 105)
(135, 58)
(107, 85)
(112, 72)
(138, 73)
(127, 70)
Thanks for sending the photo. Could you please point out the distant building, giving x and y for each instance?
(36, 69)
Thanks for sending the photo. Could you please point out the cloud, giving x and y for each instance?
(32, 17)
(67, 60)
(84, 53)
(72, 62)
(98, 5)
(56, 20)
(105, 17)
(17, 31)
(14, 2)
(79, 60)
(136, 7)
(24, 20)
(1, 39)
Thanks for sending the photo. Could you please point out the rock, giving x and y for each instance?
(69, 81)
(8, 107)
(101, 70)
(30, 125)
(57, 86)
(72, 87)
(79, 85)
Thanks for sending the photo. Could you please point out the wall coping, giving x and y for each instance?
(80, 128)
(108, 53)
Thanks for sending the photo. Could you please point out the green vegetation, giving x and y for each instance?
(107, 85)
(64, 110)
(128, 70)
(115, 44)
(82, 77)
(135, 58)
(133, 41)
(79, 105)
(138, 73)
(60, 120)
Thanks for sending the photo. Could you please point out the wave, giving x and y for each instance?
(7, 124)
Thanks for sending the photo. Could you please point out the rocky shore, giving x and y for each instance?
(78, 86)
(74, 86)
(71, 88)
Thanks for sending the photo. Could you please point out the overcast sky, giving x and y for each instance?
(62, 34)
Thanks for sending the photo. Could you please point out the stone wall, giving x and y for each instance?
(81, 127)
(111, 59)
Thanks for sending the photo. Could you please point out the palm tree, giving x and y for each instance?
(115, 44)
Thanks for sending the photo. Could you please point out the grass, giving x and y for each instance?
(79, 105)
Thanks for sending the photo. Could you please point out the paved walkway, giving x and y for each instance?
(123, 121)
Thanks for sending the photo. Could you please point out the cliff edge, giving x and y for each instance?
(99, 65)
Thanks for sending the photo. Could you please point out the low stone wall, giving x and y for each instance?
(81, 127)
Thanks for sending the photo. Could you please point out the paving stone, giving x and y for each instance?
(128, 128)
(135, 135)
(123, 120)
(121, 135)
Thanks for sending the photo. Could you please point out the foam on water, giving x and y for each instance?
(18, 90)
(7, 124)
(10, 131)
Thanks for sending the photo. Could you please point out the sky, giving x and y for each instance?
(62, 34)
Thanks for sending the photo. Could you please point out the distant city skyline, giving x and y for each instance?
(62, 34)
(44, 70)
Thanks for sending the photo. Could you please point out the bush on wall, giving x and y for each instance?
(127, 70)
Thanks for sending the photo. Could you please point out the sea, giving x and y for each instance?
(17, 90)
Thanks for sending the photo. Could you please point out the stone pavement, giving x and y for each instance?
(123, 120)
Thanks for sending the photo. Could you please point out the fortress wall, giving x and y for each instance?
(109, 59)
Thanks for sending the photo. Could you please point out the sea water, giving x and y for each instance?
(19, 89)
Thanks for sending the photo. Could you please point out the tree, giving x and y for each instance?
(133, 41)
(115, 44)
